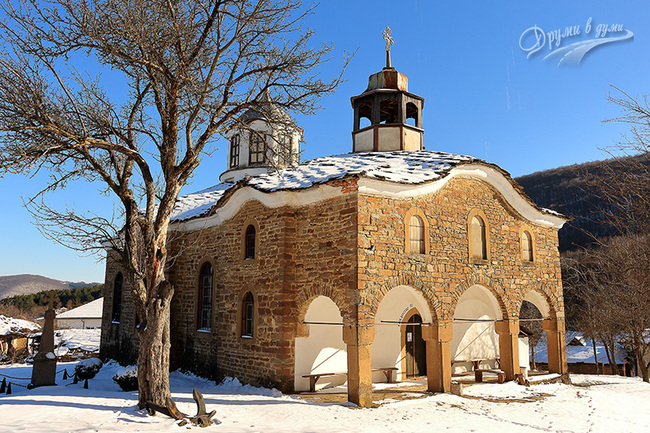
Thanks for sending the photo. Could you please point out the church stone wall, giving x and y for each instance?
(301, 253)
(351, 249)
(447, 270)
(119, 341)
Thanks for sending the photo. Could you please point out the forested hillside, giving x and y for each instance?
(69, 298)
(573, 190)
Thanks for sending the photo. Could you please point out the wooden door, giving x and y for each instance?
(415, 348)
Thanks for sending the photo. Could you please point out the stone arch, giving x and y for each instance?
(374, 298)
(477, 311)
(508, 308)
(306, 297)
(322, 350)
(539, 294)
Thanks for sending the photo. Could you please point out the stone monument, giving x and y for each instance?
(44, 370)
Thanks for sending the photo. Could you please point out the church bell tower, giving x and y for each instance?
(386, 116)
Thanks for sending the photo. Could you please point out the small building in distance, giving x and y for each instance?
(386, 263)
(14, 337)
(86, 316)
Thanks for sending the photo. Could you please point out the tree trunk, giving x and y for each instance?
(643, 367)
(153, 354)
(533, 366)
(639, 351)
(593, 343)
(612, 351)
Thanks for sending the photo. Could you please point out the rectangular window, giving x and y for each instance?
(234, 151)
(285, 151)
(257, 151)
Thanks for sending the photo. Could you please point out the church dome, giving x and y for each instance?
(264, 139)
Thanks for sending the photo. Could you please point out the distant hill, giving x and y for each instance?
(570, 190)
(14, 285)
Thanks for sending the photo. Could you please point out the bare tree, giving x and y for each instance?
(186, 70)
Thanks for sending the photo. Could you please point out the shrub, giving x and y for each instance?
(127, 378)
(88, 368)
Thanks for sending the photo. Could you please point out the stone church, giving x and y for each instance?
(386, 263)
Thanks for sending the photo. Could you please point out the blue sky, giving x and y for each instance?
(483, 97)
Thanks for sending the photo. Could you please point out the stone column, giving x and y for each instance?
(359, 338)
(438, 337)
(44, 368)
(555, 345)
(508, 331)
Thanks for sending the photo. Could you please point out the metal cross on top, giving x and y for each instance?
(389, 41)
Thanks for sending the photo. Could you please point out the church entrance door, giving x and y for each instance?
(415, 348)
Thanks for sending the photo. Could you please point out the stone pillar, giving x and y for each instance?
(359, 338)
(438, 337)
(508, 331)
(555, 345)
(44, 369)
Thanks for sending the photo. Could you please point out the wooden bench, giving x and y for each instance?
(313, 378)
(478, 373)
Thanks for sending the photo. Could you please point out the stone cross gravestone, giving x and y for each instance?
(44, 369)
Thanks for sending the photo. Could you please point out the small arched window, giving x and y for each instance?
(249, 242)
(416, 235)
(411, 114)
(234, 151)
(205, 297)
(388, 111)
(257, 150)
(365, 115)
(526, 247)
(478, 238)
(247, 319)
(117, 298)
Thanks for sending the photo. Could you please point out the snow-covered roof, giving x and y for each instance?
(90, 310)
(9, 326)
(410, 167)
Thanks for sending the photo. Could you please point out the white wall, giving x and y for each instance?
(473, 341)
(387, 346)
(324, 350)
(78, 323)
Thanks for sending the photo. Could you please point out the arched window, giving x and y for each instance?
(365, 115)
(411, 114)
(416, 235)
(205, 297)
(478, 238)
(249, 242)
(257, 150)
(247, 317)
(526, 247)
(234, 151)
(388, 111)
(117, 297)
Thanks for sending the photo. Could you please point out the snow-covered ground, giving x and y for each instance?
(592, 404)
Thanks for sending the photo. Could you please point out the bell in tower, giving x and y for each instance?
(263, 139)
(386, 116)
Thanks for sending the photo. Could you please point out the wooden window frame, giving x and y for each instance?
(242, 255)
(407, 231)
(533, 251)
(202, 305)
(235, 148)
(241, 317)
(116, 311)
(484, 258)
(254, 153)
